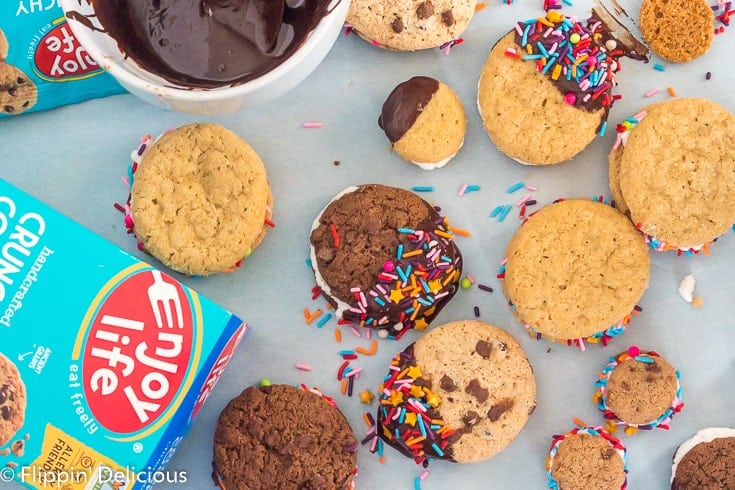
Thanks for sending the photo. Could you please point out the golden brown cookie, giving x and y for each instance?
(574, 272)
(677, 30)
(587, 458)
(705, 461)
(478, 388)
(675, 165)
(17, 92)
(530, 110)
(199, 199)
(638, 390)
(12, 400)
(425, 122)
(409, 25)
(284, 437)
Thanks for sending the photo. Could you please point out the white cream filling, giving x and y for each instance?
(440, 163)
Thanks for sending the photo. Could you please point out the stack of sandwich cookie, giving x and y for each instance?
(281, 436)
(575, 271)
(680, 196)
(384, 258)
(705, 461)
(638, 390)
(545, 90)
(199, 199)
(462, 392)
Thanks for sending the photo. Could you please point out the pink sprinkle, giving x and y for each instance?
(126, 181)
(424, 474)
(355, 332)
(313, 124)
(652, 92)
(531, 188)
(471, 278)
(522, 200)
(462, 190)
(367, 333)
(640, 115)
(353, 372)
(504, 261)
(618, 142)
(303, 367)
(633, 351)
(570, 98)
(374, 42)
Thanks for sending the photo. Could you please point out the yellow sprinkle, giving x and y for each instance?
(697, 301)
(366, 397)
(412, 253)
(597, 396)
(631, 431)
(443, 234)
(611, 427)
(545, 21)
(556, 72)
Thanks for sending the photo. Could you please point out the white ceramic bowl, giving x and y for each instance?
(205, 101)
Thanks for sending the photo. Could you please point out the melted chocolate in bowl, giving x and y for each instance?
(209, 43)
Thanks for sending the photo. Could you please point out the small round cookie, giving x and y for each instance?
(677, 30)
(476, 385)
(384, 258)
(532, 112)
(638, 390)
(3, 46)
(587, 458)
(280, 436)
(199, 199)
(409, 25)
(681, 197)
(12, 400)
(425, 122)
(17, 92)
(574, 271)
(705, 461)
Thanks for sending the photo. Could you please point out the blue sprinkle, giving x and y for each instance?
(423, 188)
(417, 483)
(346, 352)
(408, 231)
(504, 213)
(631, 120)
(514, 187)
(324, 320)
(532, 56)
(437, 450)
(647, 360)
(603, 128)
(567, 2)
(658, 67)
(379, 301)
(308, 262)
(542, 49)
(471, 188)
(399, 251)
(499, 208)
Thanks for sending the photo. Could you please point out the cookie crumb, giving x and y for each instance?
(697, 301)
(336, 163)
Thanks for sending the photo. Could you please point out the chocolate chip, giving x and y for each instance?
(483, 348)
(447, 383)
(625, 385)
(471, 418)
(448, 18)
(6, 412)
(21, 80)
(397, 25)
(9, 109)
(425, 10)
(477, 391)
(608, 453)
(497, 410)
(502, 346)
(12, 91)
(4, 391)
(653, 367)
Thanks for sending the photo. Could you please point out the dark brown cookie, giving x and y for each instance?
(705, 461)
(282, 437)
(384, 258)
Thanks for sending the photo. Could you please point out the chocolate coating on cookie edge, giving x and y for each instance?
(404, 104)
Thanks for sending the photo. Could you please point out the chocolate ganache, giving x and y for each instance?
(209, 43)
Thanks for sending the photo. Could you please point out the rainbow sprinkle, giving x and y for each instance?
(573, 55)
(601, 395)
(408, 418)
